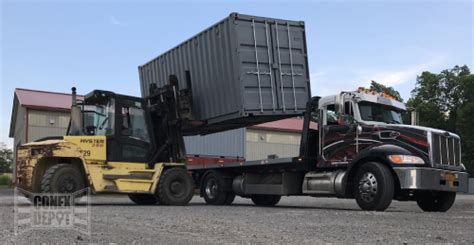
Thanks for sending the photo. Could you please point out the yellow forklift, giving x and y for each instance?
(115, 144)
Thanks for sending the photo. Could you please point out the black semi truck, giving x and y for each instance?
(353, 145)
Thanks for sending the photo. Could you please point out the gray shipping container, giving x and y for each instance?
(243, 70)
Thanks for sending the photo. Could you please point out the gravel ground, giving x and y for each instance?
(296, 220)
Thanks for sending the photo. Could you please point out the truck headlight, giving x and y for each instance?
(406, 159)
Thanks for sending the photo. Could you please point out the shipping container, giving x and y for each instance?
(243, 70)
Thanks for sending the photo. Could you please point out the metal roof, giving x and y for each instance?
(286, 125)
(40, 100)
(44, 100)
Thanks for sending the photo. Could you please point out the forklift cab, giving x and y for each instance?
(123, 120)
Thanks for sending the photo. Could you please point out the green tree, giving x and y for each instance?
(386, 89)
(464, 122)
(445, 101)
(6, 159)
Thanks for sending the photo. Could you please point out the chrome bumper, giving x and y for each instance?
(432, 179)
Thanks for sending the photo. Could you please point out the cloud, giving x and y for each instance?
(396, 77)
(331, 80)
(114, 21)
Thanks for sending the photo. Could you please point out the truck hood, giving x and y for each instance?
(421, 128)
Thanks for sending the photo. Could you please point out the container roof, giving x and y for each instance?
(286, 125)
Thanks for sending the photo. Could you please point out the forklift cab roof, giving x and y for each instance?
(101, 96)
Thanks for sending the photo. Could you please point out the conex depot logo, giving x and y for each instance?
(52, 211)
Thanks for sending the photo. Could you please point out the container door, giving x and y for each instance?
(290, 65)
(274, 65)
(256, 57)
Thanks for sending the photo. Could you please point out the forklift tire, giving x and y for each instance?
(436, 201)
(143, 199)
(374, 186)
(175, 187)
(265, 200)
(213, 190)
(62, 178)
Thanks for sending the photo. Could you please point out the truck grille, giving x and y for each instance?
(445, 150)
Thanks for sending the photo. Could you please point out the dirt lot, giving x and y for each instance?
(295, 220)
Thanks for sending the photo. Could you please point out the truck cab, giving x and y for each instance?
(353, 145)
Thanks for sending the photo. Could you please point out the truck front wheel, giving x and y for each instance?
(213, 190)
(62, 178)
(436, 201)
(265, 200)
(175, 187)
(373, 186)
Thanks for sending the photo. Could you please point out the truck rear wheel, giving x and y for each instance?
(213, 190)
(265, 200)
(176, 187)
(143, 199)
(373, 186)
(436, 201)
(62, 178)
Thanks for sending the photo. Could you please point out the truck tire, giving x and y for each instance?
(265, 200)
(62, 178)
(213, 190)
(436, 201)
(175, 187)
(374, 186)
(143, 199)
(230, 198)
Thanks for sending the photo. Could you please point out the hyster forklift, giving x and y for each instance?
(112, 147)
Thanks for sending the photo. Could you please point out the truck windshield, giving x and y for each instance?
(380, 113)
(99, 118)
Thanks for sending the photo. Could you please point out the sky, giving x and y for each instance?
(54, 45)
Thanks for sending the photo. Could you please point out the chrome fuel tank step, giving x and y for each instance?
(324, 183)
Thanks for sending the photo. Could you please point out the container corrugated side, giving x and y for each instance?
(243, 66)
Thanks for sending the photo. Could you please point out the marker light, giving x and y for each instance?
(405, 159)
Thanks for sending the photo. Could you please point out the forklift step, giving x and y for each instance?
(110, 188)
(136, 176)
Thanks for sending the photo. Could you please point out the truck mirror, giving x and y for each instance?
(358, 129)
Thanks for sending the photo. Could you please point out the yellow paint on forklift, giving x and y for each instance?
(125, 177)
(91, 147)
(142, 186)
(129, 165)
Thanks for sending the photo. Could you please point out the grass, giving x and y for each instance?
(5, 180)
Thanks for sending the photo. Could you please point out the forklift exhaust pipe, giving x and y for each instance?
(76, 115)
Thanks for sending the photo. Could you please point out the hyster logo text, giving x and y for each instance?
(92, 141)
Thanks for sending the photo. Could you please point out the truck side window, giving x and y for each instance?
(331, 115)
(348, 110)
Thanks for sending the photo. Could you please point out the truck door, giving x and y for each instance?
(339, 131)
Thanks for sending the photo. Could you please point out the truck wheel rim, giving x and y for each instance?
(368, 187)
(211, 188)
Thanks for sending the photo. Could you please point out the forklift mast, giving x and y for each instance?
(170, 111)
